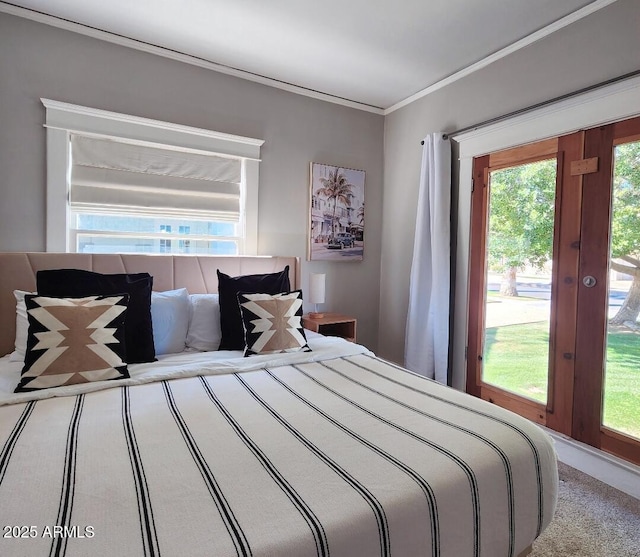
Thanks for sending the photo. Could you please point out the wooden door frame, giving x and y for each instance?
(477, 267)
(577, 350)
(482, 167)
(564, 293)
(593, 302)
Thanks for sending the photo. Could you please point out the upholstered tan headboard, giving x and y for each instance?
(195, 273)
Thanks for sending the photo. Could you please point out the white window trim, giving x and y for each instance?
(602, 106)
(63, 119)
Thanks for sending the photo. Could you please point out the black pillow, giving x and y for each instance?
(228, 289)
(77, 283)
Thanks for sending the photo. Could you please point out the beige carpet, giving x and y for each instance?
(592, 520)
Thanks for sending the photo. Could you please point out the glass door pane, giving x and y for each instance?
(622, 367)
(518, 282)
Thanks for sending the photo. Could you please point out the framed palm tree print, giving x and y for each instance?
(336, 215)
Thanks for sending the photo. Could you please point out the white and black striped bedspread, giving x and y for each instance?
(345, 457)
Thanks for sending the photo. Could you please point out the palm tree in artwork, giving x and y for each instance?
(338, 188)
(361, 214)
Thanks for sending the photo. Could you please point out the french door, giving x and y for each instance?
(554, 332)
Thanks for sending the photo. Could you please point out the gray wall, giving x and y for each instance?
(41, 61)
(599, 47)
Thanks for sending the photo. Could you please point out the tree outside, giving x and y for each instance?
(521, 223)
(625, 228)
(521, 220)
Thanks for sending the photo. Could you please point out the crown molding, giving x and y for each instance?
(290, 87)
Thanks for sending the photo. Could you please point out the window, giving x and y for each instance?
(121, 184)
(184, 246)
(165, 244)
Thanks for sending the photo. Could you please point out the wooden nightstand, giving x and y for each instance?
(332, 324)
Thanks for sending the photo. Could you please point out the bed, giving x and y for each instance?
(328, 452)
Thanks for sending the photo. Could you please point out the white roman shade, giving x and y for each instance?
(108, 175)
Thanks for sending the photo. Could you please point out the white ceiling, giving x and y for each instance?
(372, 52)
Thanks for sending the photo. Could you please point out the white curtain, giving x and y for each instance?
(427, 334)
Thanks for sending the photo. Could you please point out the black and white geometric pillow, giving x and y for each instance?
(74, 340)
(273, 323)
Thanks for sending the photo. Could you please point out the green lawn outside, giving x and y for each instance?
(516, 359)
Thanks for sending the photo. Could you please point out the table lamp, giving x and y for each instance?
(316, 293)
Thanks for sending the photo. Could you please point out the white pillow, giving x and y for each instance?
(22, 327)
(170, 320)
(204, 332)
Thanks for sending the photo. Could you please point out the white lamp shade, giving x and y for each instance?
(316, 288)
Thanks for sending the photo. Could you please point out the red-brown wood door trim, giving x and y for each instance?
(564, 293)
(482, 166)
(477, 264)
(593, 300)
(578, 330)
